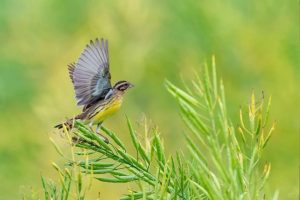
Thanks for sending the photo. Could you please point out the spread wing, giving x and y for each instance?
(90, 74)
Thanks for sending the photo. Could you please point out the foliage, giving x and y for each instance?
(222, 161)
(225, 160)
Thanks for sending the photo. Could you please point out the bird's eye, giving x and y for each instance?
(124, 87)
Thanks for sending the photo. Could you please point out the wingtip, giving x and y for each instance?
(71, 65)
(91, 42)
(99, 40)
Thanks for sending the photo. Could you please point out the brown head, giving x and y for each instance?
(122, 86)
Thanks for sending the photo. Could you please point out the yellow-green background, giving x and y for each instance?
(256, 48)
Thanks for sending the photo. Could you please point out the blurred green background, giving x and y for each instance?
(256, 48)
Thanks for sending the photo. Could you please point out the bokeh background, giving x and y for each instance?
(255, 44)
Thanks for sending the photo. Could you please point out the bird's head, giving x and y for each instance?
(122, 86)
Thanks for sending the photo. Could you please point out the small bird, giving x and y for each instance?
(90, 76)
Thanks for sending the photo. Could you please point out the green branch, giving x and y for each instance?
(222, 161)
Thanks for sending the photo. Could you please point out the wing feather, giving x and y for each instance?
(90, 74)
(71, 68)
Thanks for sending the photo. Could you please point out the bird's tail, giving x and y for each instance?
(68, 124)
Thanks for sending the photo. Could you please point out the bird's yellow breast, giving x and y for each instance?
(107, 111)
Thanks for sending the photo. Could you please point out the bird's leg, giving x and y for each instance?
(98, 132)
(91, 126)
(98, 128)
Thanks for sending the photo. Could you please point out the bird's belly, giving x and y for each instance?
(103, 114)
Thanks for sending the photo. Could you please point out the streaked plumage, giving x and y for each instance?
(91, 80)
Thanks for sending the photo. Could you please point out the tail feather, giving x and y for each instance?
(58, 126)
(68, 124)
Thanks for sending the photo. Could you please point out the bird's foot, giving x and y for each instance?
(105, 139)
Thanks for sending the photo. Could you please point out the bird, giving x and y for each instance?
(91, 79)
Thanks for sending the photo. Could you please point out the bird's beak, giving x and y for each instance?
(131, 85)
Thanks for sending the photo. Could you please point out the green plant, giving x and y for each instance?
(222, 161)
(225, 160)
